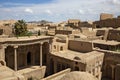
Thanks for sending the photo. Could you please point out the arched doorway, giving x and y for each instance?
(29, 58)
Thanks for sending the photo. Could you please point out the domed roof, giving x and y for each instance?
(77, 75)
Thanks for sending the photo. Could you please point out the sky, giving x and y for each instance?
(57, 10)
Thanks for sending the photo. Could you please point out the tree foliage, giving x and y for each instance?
(20, 28)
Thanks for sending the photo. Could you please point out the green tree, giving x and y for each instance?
(20, 28)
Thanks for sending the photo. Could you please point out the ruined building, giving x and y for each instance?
(107, 20)
(25, 57)
(104, 16)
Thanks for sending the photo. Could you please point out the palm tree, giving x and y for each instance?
(20, 28)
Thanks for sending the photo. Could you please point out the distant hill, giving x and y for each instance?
(40, 22)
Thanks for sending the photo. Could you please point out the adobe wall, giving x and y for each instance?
(22, 53)
(63, 32)
(114, 35)
(75, 31)
(100, 33)
(111, 55)
(1, 31)
(58, 75)
(94, 65)
(101, 46)
(75, 22)
(7, 30)
(88, 32)
(80, 46)
(115, 23)
(85, 24)
(117, 72)
(2, 52)
(104, 16)
(62, 41)
(111, 60)
(37, 73)
(61, 63)
(27, 51)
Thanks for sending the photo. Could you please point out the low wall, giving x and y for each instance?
(108, 52)
(57, 76)
(63, 32)
(34, 72)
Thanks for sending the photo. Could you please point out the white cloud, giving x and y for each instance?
(63, 9)
(116, 2)
(28, 10)
(81, 11)
(7, 10)
(48, 12)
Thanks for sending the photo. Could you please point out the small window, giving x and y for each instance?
(54, 46)
(89, 71)
(76, 63)
(76, 36)
(61, 48)
(76, 68)
(93, 72)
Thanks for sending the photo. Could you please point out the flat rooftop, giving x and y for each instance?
(84, 57)
(8, 74)
(59, 43)
(30, 69)
(104, 42)
(24, 38)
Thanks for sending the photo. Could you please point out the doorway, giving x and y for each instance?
(29, 58)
